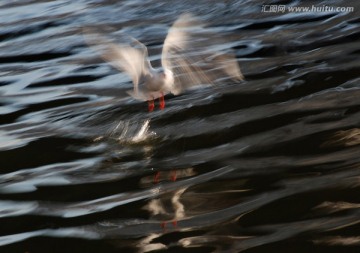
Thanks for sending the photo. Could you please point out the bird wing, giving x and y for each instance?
(190, 52)
(130, 56)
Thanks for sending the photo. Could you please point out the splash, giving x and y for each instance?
(143, 133)
(132, 132)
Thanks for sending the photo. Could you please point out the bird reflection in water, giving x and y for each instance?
(167, 212)
(168, 209)
(134, 135)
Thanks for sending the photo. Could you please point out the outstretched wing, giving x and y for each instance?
(190, 52)
(130, 56)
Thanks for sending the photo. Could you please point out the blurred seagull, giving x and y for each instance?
(191, 56)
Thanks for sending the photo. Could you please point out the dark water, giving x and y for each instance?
(268, 165)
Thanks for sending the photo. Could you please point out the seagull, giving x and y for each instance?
(191, 56)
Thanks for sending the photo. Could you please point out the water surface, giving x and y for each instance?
(270, 164)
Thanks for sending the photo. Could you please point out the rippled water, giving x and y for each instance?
(267, 165)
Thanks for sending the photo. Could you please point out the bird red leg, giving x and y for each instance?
(162, 101)
(173, 175)
(157, 177)
(151, 105)
(163, 225)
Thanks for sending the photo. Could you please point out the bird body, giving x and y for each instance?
(155, 84)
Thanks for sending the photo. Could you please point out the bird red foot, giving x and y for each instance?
(173, 176)
(151, 105)
(157, 177)
(164, 223)
(162, 102)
